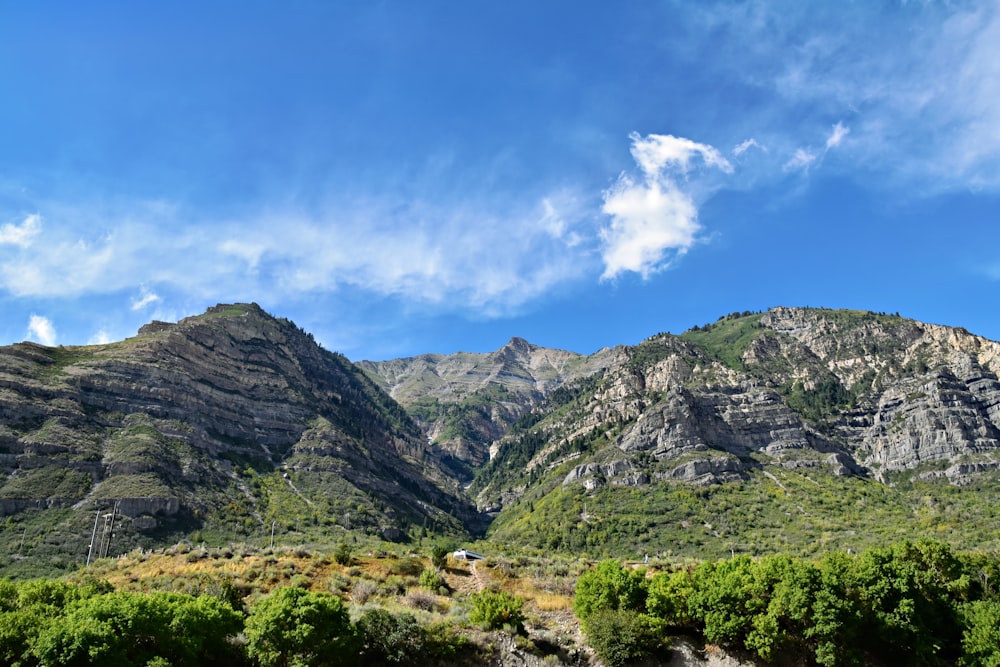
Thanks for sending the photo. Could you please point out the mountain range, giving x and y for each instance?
(795, 429)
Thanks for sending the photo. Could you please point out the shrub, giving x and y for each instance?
(439, 553)
(610, 586)
(135, 628)
(421, 600)
(495, 610)
(981, 639)
(621, 636)
(444, 642)
(342, 554)
(431, 579)
(292, 626)
(391, 639)
(362, 590)
(668, 598)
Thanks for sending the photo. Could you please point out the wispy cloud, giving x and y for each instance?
(23, 234)
(837, 135)
(916, 83)
(146, 298)
(802, 159)
(746, 145)
(41, 330)
(489, 256)
(653, 220)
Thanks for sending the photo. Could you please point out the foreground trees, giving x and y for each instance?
(55, 623)
(913, 602)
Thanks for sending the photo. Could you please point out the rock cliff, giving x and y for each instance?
(839, 393)
(232, 421)
(464, 402)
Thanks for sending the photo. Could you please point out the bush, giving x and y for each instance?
(135, 628)
(621, 636)
(439, 552)
(431, 579)
(981, 639)
(390, 639)
(342, 554)
(610, 586)
(292, 626)
(497, 610)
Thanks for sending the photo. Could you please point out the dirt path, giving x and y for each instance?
(466, 580)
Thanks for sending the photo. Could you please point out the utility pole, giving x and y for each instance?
(272, 533)
(93, 536)
(108, 532)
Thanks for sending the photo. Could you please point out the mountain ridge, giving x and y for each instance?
(235, 423)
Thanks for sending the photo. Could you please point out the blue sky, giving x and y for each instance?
(407, 177)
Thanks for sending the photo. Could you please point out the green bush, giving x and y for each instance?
(621, 636)
(342, 554)
(431, 579)
(610, 586)
(667, 599)
(389, 639)
(124, 629)
(292, 627)
(981, 639)
(439, 552)
(496, 610)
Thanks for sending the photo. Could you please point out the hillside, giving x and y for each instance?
(231, 424)
(793, 430)
(466, 401)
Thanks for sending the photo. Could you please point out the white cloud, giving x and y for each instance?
(837, 135)
(746, 145)
(146, 298)
(801, 160)
(489, 256)
(647, 221)
(21, 235)
(653, 221)
(40, 329)
(101, 337)
(656, 152)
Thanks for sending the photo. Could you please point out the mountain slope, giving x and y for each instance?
(232, 422)
(797, 429)
(722, 422)
(466, 401)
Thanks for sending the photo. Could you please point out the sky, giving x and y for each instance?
(404, 177)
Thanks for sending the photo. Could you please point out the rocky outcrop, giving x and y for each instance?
(464, 402)
(169, 423)
(850, 393)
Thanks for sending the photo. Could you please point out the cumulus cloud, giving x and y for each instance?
(657, 152)
(101, 337)
(40, 329)
(653, 220)
(21, 235)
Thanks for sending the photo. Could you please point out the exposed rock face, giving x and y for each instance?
(846, 392)
(169, 423)
(466, 401)
(237, 421)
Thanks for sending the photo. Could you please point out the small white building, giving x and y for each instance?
(465, 554)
